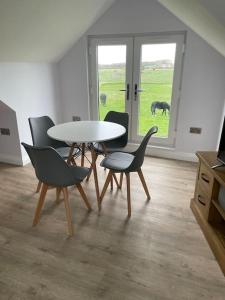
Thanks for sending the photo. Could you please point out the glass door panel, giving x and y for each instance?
(156, 82)
(111, 75)
(111, 78)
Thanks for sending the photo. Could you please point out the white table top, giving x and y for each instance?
(86, 131)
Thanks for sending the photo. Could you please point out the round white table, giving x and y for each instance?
(86, 131)
(82, 132)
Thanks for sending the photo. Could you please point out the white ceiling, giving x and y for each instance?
(205, 17)
(216, 8)
(43, 30)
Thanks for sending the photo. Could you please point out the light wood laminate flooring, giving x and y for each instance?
(160, 253)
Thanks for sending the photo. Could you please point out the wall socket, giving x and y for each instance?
(76, 118)
(196, 130)
(5, 131)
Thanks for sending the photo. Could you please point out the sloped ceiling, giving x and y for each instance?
(216, 8)
(205, 17)
(43, 30)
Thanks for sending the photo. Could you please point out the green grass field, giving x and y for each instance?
(156, 86)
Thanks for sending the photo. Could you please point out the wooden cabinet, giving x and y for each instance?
(206, 205)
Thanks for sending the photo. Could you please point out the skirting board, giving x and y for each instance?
(11, 159)
(169, 153)
(26, 159)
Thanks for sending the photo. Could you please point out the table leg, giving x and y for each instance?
(70, 157)
(113, 175)
(82, 154)
(93, 162)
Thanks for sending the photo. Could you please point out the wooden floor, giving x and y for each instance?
(160, 253)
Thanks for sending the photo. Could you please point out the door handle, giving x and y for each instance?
(136, 91)
(127, 90)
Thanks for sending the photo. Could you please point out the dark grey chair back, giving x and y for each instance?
(140, 152)
(39, 127)
(50, 168)
(121, 118)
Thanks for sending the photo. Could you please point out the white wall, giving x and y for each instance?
(203, 84)
(30, 90)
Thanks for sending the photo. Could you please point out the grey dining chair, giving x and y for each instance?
(118, 144)
(39, 127)
(125, 163)
(121, 118)
(53, 171)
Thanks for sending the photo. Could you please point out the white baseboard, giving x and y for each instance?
(26, 159)
(170, 153)
(11, 159)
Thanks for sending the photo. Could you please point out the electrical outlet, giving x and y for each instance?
(196, 130)
(76, 118)
(5, 131)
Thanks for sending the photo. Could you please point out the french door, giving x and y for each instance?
(140, 75)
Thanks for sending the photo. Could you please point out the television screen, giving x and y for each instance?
(221, 150)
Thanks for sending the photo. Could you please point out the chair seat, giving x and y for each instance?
(75, 175)
(117, 161)
(110, 147)
(65, 151)
(78, 174)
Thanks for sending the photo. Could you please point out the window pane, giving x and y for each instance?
(111, 78)
(156, 81)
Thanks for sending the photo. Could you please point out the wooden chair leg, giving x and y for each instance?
(93, 162)
(40, 204)
(73, 162)
(141, 176)
(108, 179)
(116, 181)
(111, 183)
(91, 168)
(58, 191)
(121, 180)
(70, 157)
(38, 187)
(83, 195)
(89, 175)
(68, 212)
(128, 194)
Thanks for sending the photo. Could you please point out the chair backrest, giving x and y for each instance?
(50, 168)
(39, 127)
(121, 118)
(140, 152)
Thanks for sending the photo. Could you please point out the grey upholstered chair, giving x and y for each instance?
(123, 162)
(121, 118)
(39, 127)
(118, 144)
(53, 171)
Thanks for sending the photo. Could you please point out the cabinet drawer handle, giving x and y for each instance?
(205, 177)
(200, 201)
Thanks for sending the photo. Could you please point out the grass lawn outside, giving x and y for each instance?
(156, 86)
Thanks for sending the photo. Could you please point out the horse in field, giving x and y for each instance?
(103, 99)
(160, 105)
